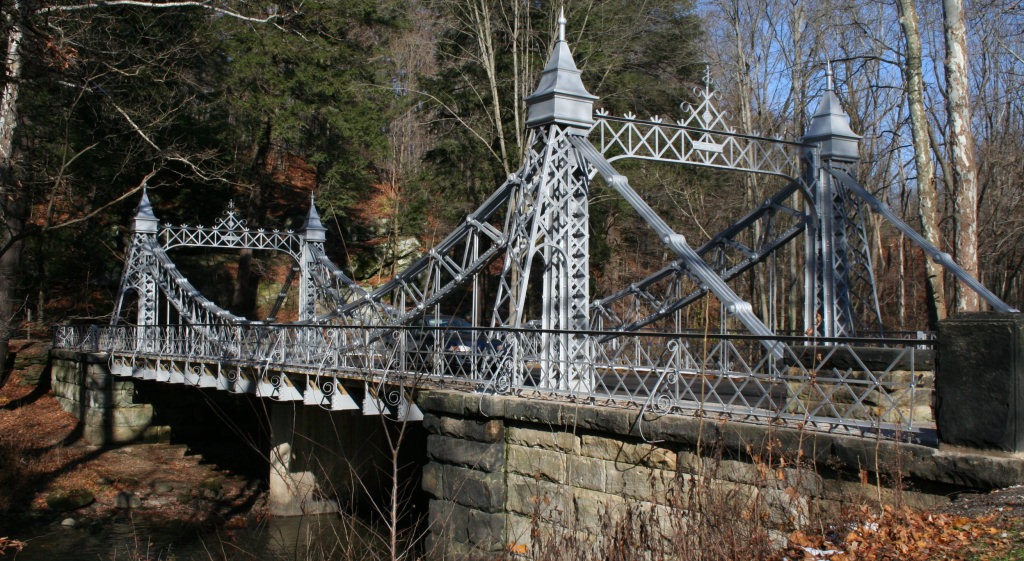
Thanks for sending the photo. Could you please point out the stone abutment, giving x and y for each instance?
(523, 475)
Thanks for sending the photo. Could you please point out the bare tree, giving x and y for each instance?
(920, 131)
(961, 146)
(19, 18)
(408, 132)
(12, 203)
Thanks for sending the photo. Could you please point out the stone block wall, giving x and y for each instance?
(564, 482)
(980, 381)
(465, 479)
(105, 404)
(512, 474)
(507, 485)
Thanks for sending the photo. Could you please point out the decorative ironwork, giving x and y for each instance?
(230, 232)
(352, 349)
(816, 384)
(705, 115)
(653, 139)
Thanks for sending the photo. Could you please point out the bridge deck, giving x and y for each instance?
(824, 385)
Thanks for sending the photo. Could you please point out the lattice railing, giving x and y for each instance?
(231, 232)
(656, 140)
(880, 384)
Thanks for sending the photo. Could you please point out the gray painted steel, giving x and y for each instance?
(587, 349)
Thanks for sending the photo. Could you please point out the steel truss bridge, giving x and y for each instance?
(354, 348)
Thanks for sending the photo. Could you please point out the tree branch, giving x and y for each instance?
(100, 209)
(166, 155)
(461, 121)
(140, 3)
(35, 230)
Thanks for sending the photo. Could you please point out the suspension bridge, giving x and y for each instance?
(371, 350)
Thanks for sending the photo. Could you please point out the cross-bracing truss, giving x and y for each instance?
(543, 242)
(539, 210)
(674, 287)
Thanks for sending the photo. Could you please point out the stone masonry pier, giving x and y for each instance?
(509, 473)
(105, 405)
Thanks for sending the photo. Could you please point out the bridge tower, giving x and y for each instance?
(840, 298)
(138, 269)
(548, 222)
(313, 236)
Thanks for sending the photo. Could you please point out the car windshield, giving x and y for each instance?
(446, 321)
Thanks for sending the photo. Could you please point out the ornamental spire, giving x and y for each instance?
(830, 126)
(145, 221)
(561, 98)
(314, 229)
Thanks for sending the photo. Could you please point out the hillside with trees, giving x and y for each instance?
(400, 117)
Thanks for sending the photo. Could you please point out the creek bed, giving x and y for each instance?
(127, 539)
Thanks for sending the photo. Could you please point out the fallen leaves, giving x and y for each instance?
(41, 458)
(901, 534)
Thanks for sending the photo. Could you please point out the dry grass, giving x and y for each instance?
(702, 519)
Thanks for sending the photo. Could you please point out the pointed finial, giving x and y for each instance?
(830, 126)
(145, 220)
(707, 75)
(314, 229)
(561, 98)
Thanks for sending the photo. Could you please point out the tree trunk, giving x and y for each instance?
(927, 195)
(961, 144)
(13, 211)
(488, 57)
(758, 284)
(9, 97)
(798, 95)
(12, 203)
(244, 295)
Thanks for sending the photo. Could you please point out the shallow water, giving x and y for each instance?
(276, 539)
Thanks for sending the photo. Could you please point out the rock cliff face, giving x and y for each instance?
(380, 249)
(380, 258)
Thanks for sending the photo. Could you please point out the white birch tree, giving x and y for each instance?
(961, 149)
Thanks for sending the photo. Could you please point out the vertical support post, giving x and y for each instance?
(550, 220)
(824, 195)
(144, 232)
(139, 271)
(313, 236)
(811, 236)
(575, 278)
(826, 276)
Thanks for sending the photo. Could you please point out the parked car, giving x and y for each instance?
(450, 343)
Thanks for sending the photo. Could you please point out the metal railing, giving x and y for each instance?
(857, 384)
